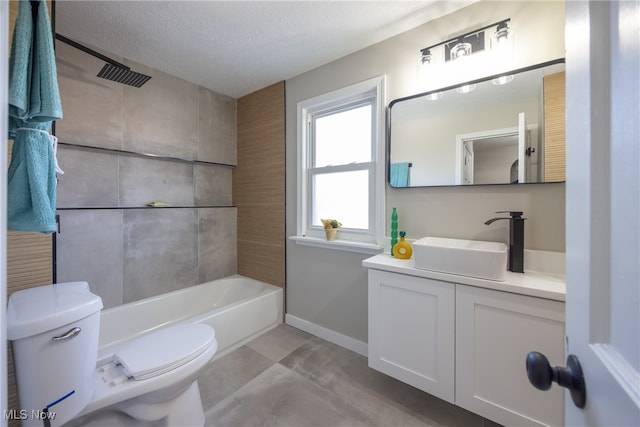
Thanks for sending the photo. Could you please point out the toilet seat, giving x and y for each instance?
(163, 350)
(112, 386)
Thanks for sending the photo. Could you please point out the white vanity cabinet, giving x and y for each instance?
(411, 331)
(465, 340)
(494, 332)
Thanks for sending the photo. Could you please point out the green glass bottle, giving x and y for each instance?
(394, 229)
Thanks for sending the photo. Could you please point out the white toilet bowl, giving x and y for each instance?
(153, 377)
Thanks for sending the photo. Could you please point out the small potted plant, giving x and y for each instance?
(331, 228)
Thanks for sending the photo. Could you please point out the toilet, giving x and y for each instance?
(152, 378)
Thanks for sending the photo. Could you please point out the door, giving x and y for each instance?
(523, 143)
(467, 168)
(487, 157)
(603, 207)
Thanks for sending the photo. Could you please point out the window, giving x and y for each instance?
(341, 162)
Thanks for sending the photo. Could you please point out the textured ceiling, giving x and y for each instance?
(237, 47)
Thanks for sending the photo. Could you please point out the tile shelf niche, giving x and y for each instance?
(141, 155)
(95, 208)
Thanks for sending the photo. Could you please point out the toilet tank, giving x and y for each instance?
(55, 332)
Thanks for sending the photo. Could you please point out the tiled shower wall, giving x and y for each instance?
(107, 237)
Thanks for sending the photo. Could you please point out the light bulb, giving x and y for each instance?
(434, 96)
(466, 88)
(502, 80)
(460, 50)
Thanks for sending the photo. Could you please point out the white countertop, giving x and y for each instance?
(532, 283)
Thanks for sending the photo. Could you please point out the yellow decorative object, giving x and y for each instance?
(402, 250)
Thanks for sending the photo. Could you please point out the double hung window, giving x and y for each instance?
(341, 160)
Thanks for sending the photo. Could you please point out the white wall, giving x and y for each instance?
(329, 288)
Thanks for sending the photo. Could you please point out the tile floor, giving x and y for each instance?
(287, 377)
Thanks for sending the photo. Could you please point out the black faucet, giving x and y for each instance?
(516, 240)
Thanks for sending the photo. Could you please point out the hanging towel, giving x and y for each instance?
(399, 174)
(34, 102)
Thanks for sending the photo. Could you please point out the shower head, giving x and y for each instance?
(123, 75)
(112, 70)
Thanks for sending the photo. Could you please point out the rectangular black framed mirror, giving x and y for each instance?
(502, 129)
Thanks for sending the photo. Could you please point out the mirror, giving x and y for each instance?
(504, 129)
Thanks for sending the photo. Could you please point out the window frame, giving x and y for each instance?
(368, 92)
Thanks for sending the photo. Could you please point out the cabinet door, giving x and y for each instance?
(411, 331)
(494, 332)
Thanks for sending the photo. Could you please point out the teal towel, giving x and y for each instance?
(399, 175)
(34, 102)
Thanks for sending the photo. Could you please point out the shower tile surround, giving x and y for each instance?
(128, 254)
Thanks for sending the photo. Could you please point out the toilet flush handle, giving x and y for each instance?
(73, 332)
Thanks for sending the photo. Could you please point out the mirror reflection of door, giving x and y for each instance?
(467, 169)
(500, 156)
(522, 146)
(488, 157)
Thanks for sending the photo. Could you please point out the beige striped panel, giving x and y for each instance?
(554, 128)
(258, 185)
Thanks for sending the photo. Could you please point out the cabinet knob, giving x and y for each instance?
(541, 375)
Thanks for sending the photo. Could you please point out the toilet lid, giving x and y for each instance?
(163, 350)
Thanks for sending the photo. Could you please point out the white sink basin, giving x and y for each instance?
(485, 260)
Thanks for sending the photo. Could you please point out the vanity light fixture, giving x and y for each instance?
(434, 96)
(467, 44)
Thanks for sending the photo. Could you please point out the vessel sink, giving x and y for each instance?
(473, 258)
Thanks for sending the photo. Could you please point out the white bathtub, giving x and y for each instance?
(237, 307)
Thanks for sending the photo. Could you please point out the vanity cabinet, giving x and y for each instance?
(494, 332)
(411, 331)
(466, 344)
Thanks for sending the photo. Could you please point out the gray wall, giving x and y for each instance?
(127, 254)
(329, 288)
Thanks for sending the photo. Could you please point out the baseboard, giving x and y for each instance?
(334, 337)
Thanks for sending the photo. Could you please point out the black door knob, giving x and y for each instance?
(541, 375)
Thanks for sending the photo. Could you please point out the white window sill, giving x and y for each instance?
(340, 245)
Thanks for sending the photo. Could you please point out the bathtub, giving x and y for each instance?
(237, 307)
